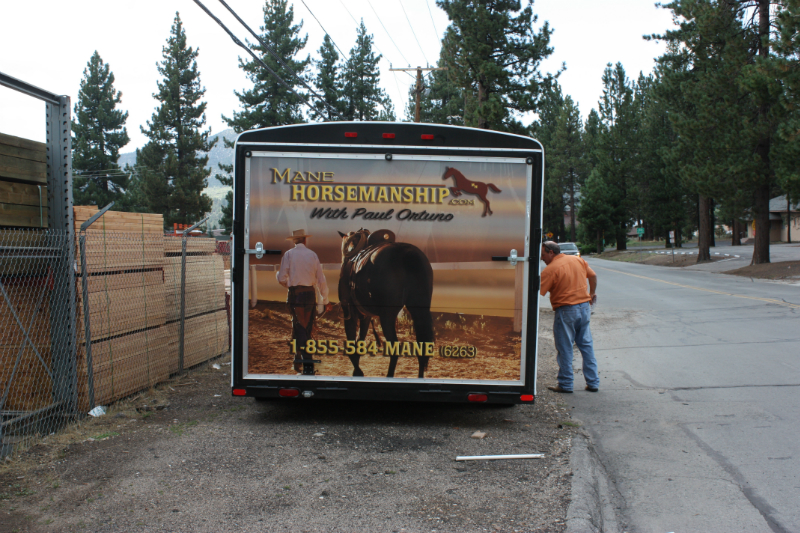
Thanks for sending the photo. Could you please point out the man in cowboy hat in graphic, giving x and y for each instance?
(301, 272)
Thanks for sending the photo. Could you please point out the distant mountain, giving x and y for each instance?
(218, 154)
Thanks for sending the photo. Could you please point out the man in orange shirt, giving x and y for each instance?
(565, 278)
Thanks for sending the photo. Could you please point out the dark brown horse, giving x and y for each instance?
(463, 185)
(379, 277)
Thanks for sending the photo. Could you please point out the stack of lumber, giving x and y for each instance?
(206, 320)
(126, 303)
(23, 182)
(205, 285)
(194, 245)
(206, 338)
(30, 387)
(121, 241)
(126, 364)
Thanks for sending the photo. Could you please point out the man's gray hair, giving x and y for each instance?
(553, 247)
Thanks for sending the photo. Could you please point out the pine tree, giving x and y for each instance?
(787, 151)
(729, 113)
(99, 133)
(567, 159)
(269, 103)
(616, 149)
(363, 95)
(543, 130)
(329, 81)
(494, 53)
(597, 212)
(173, 167)
(442, 101)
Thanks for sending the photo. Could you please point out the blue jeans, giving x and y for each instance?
(571, 325)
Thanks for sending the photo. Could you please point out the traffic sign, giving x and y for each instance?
(549, 235)
(640, 231)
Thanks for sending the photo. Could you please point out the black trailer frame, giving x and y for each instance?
(408, 138)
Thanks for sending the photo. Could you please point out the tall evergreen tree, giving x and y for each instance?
(269, 103)
(616, 149)
(567, 159)
(494, 53)
(442, 101)
(543, 129)
(728, 140)
(174, 173)
(788, 50)
(597, 212)
(99, 133)
(363, 95)
(329, 81)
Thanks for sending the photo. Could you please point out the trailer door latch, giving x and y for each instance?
(260, 252)
(512, 258)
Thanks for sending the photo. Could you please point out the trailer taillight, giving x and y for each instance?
(526, 398)
(351, 134)
(427, 137)
(388, 135)
(239, 392)
(477, 397)
(289, 393)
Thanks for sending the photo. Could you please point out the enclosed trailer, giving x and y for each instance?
(427, 237)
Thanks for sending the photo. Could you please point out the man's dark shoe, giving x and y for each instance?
(558, 388)
(591, 389)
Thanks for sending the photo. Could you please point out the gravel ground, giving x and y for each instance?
(189, 457)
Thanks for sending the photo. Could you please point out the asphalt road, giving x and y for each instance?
(697, 421)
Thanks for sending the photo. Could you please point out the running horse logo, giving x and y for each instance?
(463, 185)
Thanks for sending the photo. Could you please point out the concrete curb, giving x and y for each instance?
(592, 507)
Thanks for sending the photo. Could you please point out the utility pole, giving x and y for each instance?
(418, 89)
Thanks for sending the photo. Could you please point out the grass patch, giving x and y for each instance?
(178, 429)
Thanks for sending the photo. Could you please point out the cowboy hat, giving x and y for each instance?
(298, 234)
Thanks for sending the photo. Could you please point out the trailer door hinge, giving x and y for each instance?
(260, 252)
(512, 258)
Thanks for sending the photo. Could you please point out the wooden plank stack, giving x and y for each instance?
(206, 321)
(23, 182)
(134, 311)
(127, 313)
(31, 387)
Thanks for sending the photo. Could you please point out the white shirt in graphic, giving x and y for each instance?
(300, 266)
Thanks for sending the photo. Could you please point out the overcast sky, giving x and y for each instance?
(48, 42)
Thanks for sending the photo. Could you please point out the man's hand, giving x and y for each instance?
(594, 299)
(329, 307)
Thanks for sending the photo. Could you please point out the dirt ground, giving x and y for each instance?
(189, 457)
(660, 259)
(497, 345)
(784, 270)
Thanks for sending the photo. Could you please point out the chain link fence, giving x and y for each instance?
(144, 309)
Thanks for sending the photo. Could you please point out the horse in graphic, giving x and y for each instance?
(463, 185)
(378, 278)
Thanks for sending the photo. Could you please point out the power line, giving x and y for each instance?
(323, 29)
(254, 56)
(373, 42)
(413, 32)
(428, 3)
(387, 32)
(277, 57)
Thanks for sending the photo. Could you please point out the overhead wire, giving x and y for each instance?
(413, 32)
(255, 57)
(428, 3)
(277, 57)
(387, 33)
(373, 42)
(323, 28)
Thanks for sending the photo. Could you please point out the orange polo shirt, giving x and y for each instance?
(565, 277)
